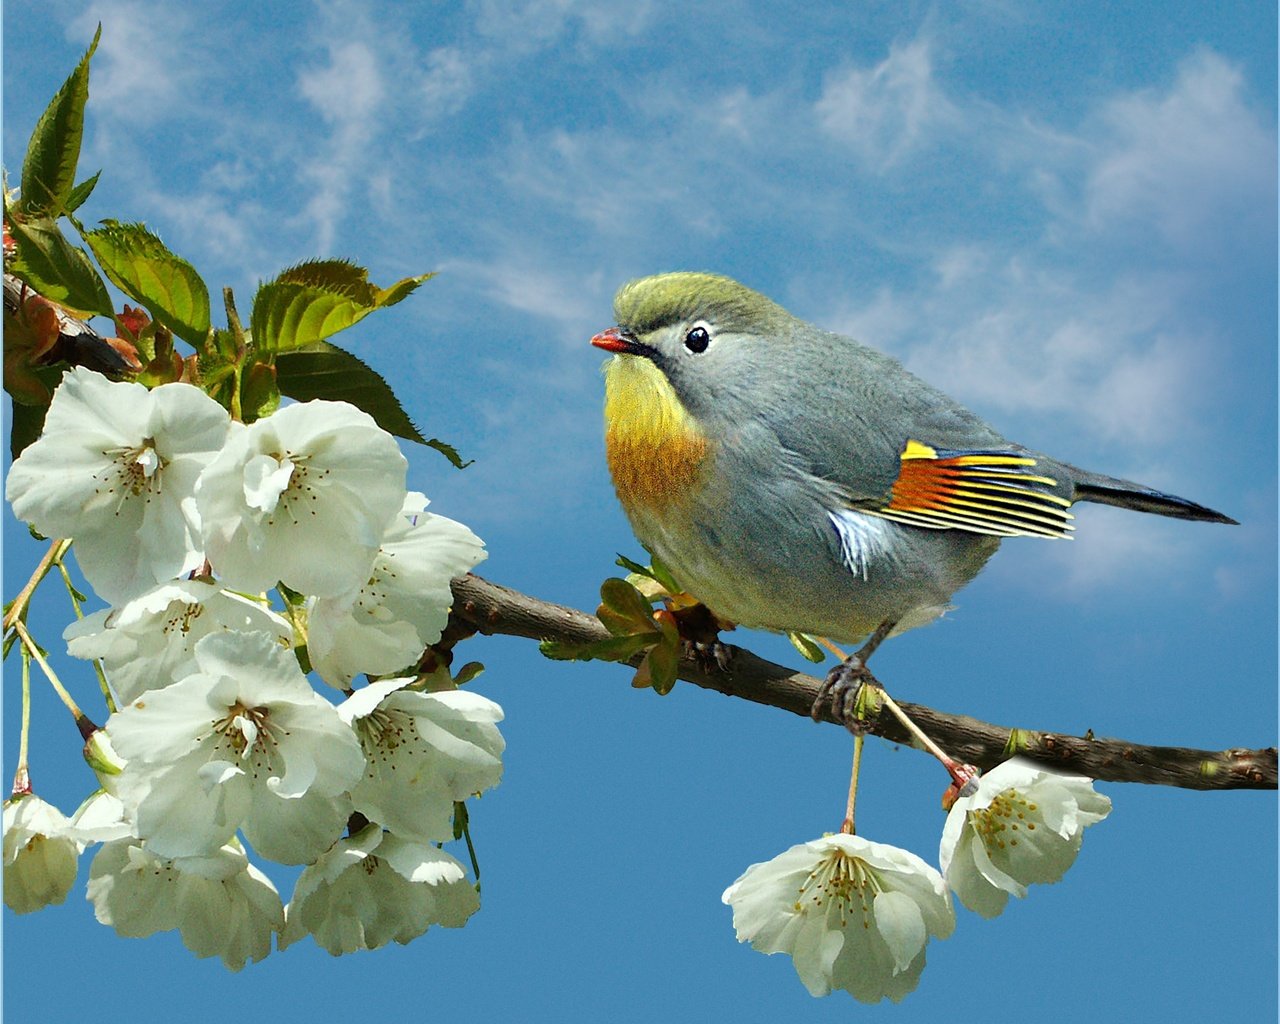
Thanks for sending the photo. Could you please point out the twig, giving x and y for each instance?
(484, 607)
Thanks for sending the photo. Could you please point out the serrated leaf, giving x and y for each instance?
(805, 645)
(49, 168)
(340, 276)
(325, 371)
(449, 452)
(59, 271)
(615, 648)
(315, 300)
(144, 268)
(401, 290)
(81, 192)
(623, 598)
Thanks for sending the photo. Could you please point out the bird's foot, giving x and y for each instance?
(844, 684)
(842, 691)
(713, 656)
(700, 637)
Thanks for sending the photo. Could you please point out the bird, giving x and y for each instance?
(795, 480)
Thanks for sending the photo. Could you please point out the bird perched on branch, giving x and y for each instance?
(796, 480)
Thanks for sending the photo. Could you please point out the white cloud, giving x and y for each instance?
(560, 297)
(1185, 158)
(886, 111)
(1112, 549)
(349, 93)
(528, 25)
(1034, 347)
(447, 81)
(135, 76)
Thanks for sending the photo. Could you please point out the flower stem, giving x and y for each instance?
(83, 722)
(17, 609)
(462, 822)
(21, 777)
(962, 774)
(97, 662)
(847, 826)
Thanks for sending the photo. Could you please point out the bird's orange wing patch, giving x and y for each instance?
(991, 492)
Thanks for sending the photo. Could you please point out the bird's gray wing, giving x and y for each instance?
(893, 446)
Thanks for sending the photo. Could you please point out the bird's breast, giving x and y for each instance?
(657, 453)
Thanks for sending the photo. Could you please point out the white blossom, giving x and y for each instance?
(385, 623)
(1023, 825)
(374, 887)
(423, 752)
(40, 854)
(220, 904)
(100, 819)
(146, 643)
(852, 914)
(242, 742)
(302, 496)
(116, 469)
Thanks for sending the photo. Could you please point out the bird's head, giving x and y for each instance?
(710, 337)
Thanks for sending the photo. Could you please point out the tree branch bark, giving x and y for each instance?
(484, 607)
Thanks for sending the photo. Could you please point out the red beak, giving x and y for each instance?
(611, 341)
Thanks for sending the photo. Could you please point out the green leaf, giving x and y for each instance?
(25, 426)
(664, 664)
(401, 290)
(322, 370)
(448, 451)
(315, 300)
(805, 645)
(49, 168)
(340, 276)
(615, 648)
(142, 267)
(55, 268)
(80, 193)
(631, 565)
(471, 670)
(621, 597)
(662, 574)
(621, 625)
(259, 393)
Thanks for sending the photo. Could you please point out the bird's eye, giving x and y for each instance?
(697, 339)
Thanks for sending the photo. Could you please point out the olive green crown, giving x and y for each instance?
(649, 303)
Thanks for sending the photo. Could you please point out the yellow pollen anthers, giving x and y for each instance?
(843, 881)
(997, 823)
(655, 450)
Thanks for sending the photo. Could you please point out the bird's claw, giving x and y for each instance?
(709, 655)
(842, 691)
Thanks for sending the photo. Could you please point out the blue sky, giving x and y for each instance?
(1065, 215)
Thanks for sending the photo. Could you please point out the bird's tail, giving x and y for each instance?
(1109, 490)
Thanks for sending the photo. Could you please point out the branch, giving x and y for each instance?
(484, 607)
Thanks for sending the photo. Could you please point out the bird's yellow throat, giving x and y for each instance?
(655, 449)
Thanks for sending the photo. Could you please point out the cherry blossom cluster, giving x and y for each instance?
(235, 559)
(856, 915)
